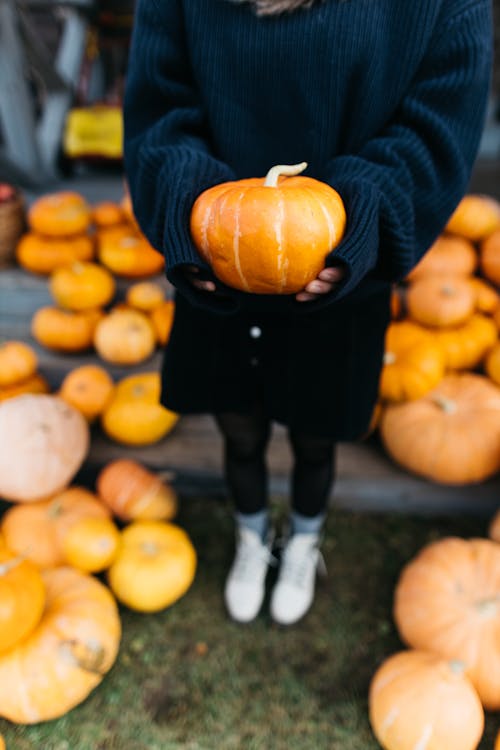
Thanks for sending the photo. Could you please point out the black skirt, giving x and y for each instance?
(317, 373)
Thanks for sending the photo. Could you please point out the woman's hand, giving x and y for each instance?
(326, 280)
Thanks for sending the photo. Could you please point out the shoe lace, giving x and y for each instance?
(249, 560)
(296, 564)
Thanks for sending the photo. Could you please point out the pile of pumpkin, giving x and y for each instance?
(81, 249)
(59, 623)
(447, 611)
(439, 412)
(129, 410)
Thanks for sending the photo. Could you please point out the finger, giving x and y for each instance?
(306, 297)
(331, 274)
(192, 269)
(318, 287)
(205, 286)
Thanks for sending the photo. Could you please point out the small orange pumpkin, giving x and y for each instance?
(145, 296)
(411, 368)
(162, 318)
(465, 346)
(60, 214)
(448, 256)
(475, 217)
(34, 384)
(82, 286)
(132, 492)
(268, 235)
(108, 214)
(418, 700)
(39, 254)
(492, 364)
(22, 599)
(65, 330)
(126, 252)
(125, 337)
(487, 298)
(89, 389)
(450, 435)
(91, 544)
(447, 601)
(155, 566)
(18, 362)
(440, 301)
(490, 257)
(37, 530)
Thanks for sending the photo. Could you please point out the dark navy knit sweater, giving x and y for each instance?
(385, 100)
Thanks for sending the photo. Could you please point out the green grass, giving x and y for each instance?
(189, 678)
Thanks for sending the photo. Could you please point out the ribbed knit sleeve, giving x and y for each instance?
(403, 185)
(168, 160)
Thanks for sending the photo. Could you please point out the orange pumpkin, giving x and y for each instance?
(65, 330)
(68, 653)
(89, 389)
(37, 530)
(60, 214)
(497, 742)
(411, 367)
(448, 256)
(135, 415)
(18, 362)
(43, 443)
(418, 701)
(440, 301)
(450, 435)
(492, 364)
(128, 210)
(125, 337)
(465, 346)
(475, 217)
(82, 286)
(487, 298)
(162, 318)
(490, 257)
(126, 252)
(145, 296)
(155, 566)
(132, 492)
(35, 384)
(447, 601)
(22, 599)
(43, 255)
(108, 214)
(398, 302)
(268, 235)
(91, 544)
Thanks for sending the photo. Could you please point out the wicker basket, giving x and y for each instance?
(12, 226)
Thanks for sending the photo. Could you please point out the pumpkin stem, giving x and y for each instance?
(488, 607)
(54, 509)
(149, 548)
(446, 404)
(389, 358)
(290, 170)
(457, 666)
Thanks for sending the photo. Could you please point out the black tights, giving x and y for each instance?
(246, 438)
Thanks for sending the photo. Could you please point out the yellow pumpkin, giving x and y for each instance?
(145, 296)
(22, 599)
(475, 217)
(487, 298)
(447, 601)
(65, 330)
(89, 389)
(37, 530)
(411, 367)
(465, 346)
(82, 286)
(162, 318)
(126, 252)
(18, 362)
(440, 301)
(490, 257)
(108, 214)
(125, 337)
(91, 544)
(135, 415)
(43, 443)
(418, 701)
(450, 435)
(154, 567)
(60, 214)
(35, 384)
(68, 653)
(43, 255)
(268, 235)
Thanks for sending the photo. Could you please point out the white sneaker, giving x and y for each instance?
(245, 585)
(293, 592)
